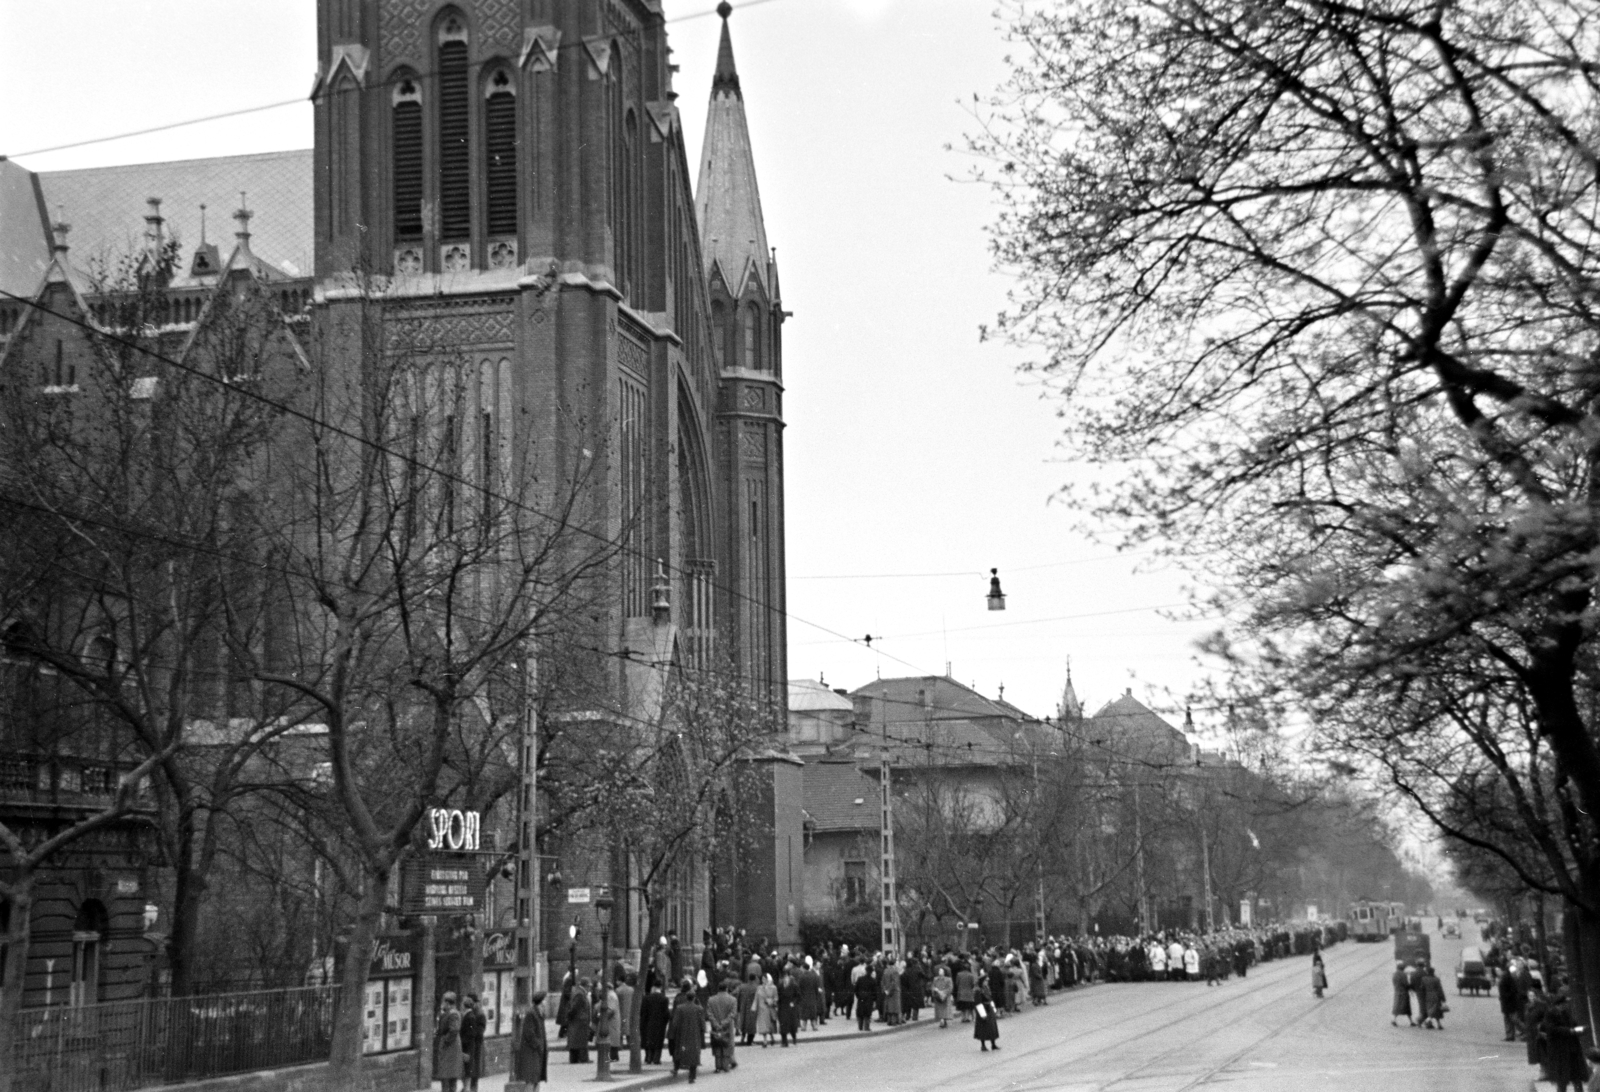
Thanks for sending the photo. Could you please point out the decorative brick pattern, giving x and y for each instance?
(422, 333)
(400, 29)
(500, 27)
(632, 355)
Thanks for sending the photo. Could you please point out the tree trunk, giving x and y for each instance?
(189, 888)
(1583, 954)
(647, 955)
(344, 1053)
(16, 971)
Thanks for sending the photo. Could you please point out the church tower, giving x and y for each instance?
(504, 183)
(747, 330)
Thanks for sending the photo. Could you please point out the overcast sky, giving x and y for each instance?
(912, 449)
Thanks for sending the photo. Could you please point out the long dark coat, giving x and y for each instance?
(745, 996)
(788, 1005)
(866, 991)
(578, 1016)
(531, 1062)
(810, 994)
(473, 1025)
(686, 1033)
(913, 985)
(986, 1023)
(1402, 995)
(653, 1017)
(1563, 1050)
(1534, 1019)
(1431, 991)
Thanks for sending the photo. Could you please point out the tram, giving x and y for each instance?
(1370, 921)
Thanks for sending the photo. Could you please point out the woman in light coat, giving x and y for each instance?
(767, 1010)
(942, 990)
(447, 1058)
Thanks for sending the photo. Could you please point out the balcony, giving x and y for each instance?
(36, 781)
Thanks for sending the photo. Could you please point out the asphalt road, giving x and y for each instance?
(1263, 1034)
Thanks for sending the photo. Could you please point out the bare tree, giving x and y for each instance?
(1318, 281)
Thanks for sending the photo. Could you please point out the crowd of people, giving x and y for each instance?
(1541, 1017)
(740, 998)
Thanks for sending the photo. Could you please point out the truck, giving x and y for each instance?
(1412, 948)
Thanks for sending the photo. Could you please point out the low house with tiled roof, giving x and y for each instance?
(842, 825)
(819, 718)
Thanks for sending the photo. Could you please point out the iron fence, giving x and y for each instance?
(123, 1045)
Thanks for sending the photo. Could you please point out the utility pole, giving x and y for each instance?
(1038, 861)
(527, 894)
(1205, 866)
(1138, 860)
(890, 911)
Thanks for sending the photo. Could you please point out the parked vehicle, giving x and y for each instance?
(1471, 974)
(1451, 929)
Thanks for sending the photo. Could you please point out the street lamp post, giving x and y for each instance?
(572, 953)
(602, 1068)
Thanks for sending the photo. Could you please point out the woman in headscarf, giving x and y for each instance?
(766, 1010)
(447, 1060)
(1401, 1006)
(530, 1063)
(1430, 991)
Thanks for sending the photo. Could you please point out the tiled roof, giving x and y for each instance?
(1134, 730)
(811, 696)
(24, 238)
(106, 206)
(934, 720)
(831, 790)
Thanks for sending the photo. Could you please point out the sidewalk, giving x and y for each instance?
(565, 1075)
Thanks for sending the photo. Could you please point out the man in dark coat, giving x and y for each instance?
(1563, 1050)
(473, 1025)
(997, 983)
(653, 1017)
(745, 999)
(913, 988)
(1401, 1003)
(1510, 1002)
(530, 1062)
(866, 991)
(686, 1032)
(579, 1015)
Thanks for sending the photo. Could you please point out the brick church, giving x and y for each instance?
(509, 178)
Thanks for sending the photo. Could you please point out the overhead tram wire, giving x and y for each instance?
(297, 100)
(949, 749)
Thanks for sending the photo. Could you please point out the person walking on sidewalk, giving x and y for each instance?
(986, 1021)
(1401, 1005)
(653, 1018)
(722, 1020)
(766, 1010)
(686, 1032)
(530, 1061)
(745, 998)
(966, 985)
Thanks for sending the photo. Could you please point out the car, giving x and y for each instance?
(1451, 929)
(1471, 973)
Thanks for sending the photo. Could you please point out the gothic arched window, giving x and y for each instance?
(750, 321)
(500, 154)
(406, 144)
(455, 131)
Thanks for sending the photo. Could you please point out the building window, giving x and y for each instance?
(407, 138)
(455, 152)
(500, 155)
(750, 322)
(855, 883)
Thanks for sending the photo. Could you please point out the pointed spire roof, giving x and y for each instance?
(1069, 708)
(733, 234)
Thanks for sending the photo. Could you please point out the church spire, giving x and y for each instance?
(727, 76)
(733, 234)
